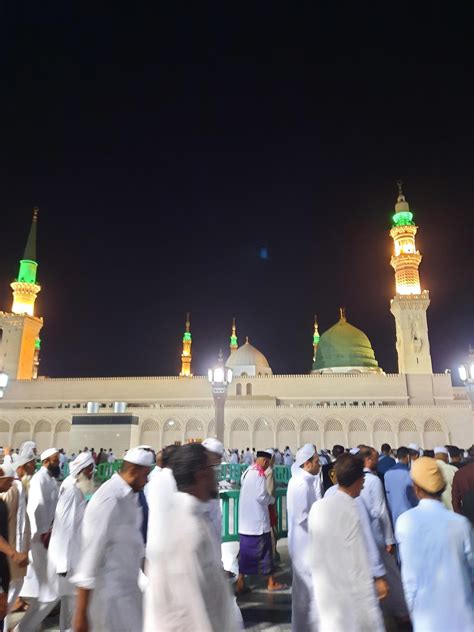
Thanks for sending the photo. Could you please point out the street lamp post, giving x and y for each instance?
(466, 375)
(220, 377)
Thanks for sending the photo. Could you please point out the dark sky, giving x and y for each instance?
(166, 149)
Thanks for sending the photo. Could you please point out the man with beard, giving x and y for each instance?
(65, 545)
(42, 500)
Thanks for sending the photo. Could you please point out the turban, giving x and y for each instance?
(48, 453)
(82, 460)
(304, 454)
(8, 470)
(139, 456)
(427, 475)
(213, 445)
(24, 457)
(441, 450)
(264, 454)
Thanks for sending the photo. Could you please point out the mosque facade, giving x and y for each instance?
(345, 397)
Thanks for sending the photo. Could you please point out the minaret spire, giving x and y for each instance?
(25, 287)
(233, 338)
(315, 337)
(410, 302)
(186, 355)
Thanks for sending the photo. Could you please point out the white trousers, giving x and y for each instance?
(35, 615)
(13, 592)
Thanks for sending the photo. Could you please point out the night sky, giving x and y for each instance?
(233, 159)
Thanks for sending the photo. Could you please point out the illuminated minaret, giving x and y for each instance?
(410, 302)
(20, 328)
(315, 337)
(186, 355)
(233, 339)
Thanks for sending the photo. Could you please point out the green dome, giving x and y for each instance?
(343, 345)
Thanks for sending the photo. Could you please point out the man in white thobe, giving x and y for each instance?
(248, 457)
(374, 498)
(300, 498)
(436, 550)
(42, 500)
(190, 591)
(65, 544)
(342, 576)
(112, 551)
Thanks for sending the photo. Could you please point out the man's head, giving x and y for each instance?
(454, 454)
(215, 449)
(136, 467)
(337, 450)
(428, 480)
(307, 459)
(386, 449)
(193, 472)
(441, 453)
(415, 451)
(163, 457)
(25, 464)
(263, 459)
(50, 460)
(7, 474)
(403, 455)
(349, 471)
(369, 456)
(28, 446)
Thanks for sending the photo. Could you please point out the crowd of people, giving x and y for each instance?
(372, 538)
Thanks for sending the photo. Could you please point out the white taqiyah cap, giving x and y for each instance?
(23, 458)
(82, 460)
(213, 445)
(146, 447)
(270, 451)
(304, 454)
(139, 456)
(8, 470)
(414, 447)
(47, 453)
(440, 449)
(354, 451)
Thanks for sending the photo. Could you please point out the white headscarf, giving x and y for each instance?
(304, 454)
(83, 460)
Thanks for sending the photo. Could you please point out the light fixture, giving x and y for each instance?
(3, 380)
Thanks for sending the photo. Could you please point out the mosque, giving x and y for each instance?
(345, 397)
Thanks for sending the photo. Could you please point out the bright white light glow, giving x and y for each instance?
(462, 373)
(471, 371)
(219, 375)
(3, 380)
(229, 375)
(209, 375)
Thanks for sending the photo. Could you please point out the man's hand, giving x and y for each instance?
(389, 548)
(7, 451)
(3, 604)
(20, 558)
(80, 622)
(45, 538)
(381, 587)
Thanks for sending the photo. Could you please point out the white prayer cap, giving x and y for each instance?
(23, 458)
(48, 453)
(213, 445)
(414, 447)
(27, 445)
(145, 447)
(8, 470)
(83, 460)
(440, 449)
(270, 451)
(139, 456)
(304, 454)
(354, 451)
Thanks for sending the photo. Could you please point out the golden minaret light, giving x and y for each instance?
(410, 302)
(186, 354)
(25, 288)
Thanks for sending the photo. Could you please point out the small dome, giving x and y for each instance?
(249, 360)
(344, 347)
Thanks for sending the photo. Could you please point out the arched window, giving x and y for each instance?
(238, 389)
(248, 389)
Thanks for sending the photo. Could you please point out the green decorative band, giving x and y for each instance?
(27, 271)
(404, 218)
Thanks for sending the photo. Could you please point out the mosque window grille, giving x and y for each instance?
(262, 425)
(381, 425)
(194, 425)
(309, 425)
(238, 389)
(43, 426)
(406, 425)
(286, 425)
(171, 425)
(357, 425)
(333, 425)
(432, 425)
(248, 389)
(150, 425)
(239, 425)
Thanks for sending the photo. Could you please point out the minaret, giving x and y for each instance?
(315, 337)
(186, 355)
(233, 339)
(20, 328)
(25, 287)
(410, 302)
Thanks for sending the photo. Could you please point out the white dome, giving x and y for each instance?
(249, 360)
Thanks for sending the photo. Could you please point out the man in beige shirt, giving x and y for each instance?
(448, 471)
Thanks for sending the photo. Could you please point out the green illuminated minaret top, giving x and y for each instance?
(315, 337)
(29, 265)
(233, 339)
(403, 216)
(187, 333)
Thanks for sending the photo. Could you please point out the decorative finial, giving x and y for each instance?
(246, 340)
(220, 357)
(35, 213)
(188, 322)
(401, 197)
(342, 313)
(315, 322)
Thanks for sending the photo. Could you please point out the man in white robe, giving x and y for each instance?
(112, 551)
(436, 550)
(65, 544)
(344, 588)
(190, 591)
(42, 500)
(300, 498)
